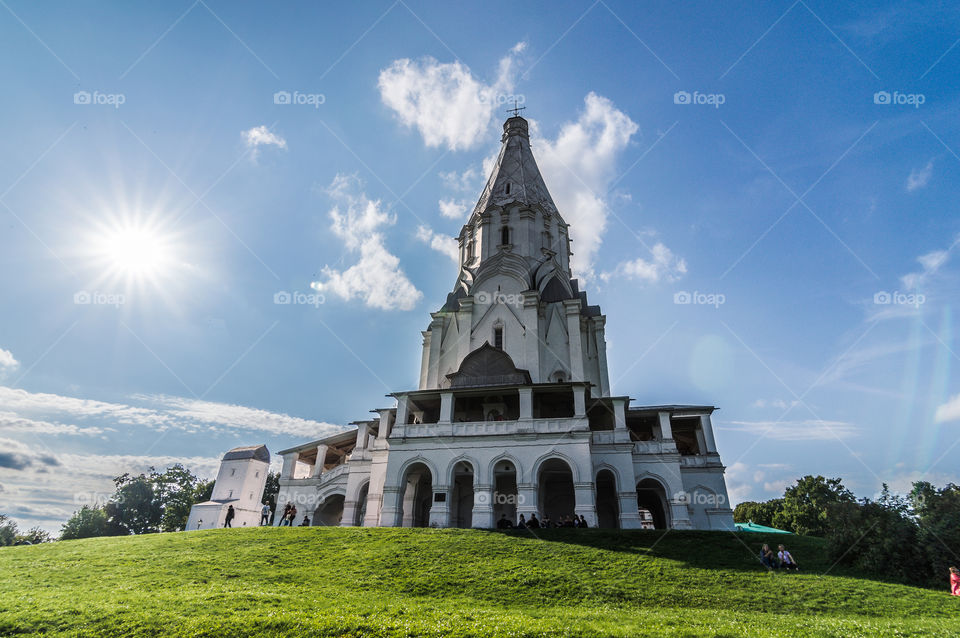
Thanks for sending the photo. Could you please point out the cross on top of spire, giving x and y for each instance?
(516, 110)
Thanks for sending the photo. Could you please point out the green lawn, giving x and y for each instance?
(402, 582)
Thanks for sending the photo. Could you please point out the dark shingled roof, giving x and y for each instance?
(258, 452)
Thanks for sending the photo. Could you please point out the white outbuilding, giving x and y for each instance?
(240, 483)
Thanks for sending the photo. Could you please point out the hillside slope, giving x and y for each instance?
(404, 582)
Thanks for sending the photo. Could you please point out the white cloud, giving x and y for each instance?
(441, 243)
(806, 430)
(454, 208)
(918, 178)
(444, 101)
(43, 413)
(930, 264)
(949, 411)
(7, 362)
(376, 278)
(663, 265)
(261, 136)
(578, 167)
(469, 181)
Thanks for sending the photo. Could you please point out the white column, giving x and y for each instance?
(585, 504)
(289, 465)
(436, 339)
(707, 426)
(629, 511)
(388, 513)
(666, 432)
(402, 405)
(446, 407)
(321, 456)
(526, 500)
(572, 307)
(526, 403)
(620, 433)
(579, 401)
(440, 512)
(464, 327)
(425, 360)
(483, 507)
(363, 432)
(681, 517)
(384, 429)
(598, 332)
(531, 337)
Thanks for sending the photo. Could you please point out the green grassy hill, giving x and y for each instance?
(403, 582)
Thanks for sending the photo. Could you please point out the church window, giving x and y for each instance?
(230, 494)
(498, 337)
(256, 475)
(505, 235)
(508, 188)
(233, 471)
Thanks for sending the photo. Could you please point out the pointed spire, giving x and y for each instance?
(515, 176)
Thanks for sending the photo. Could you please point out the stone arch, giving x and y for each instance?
(554, 454)
(462, 475)
(329, 510)
(415, 493)
(556, 492)
(417, 459)
(652, 497)
(606, 485)
(360, 499)
(504, 456)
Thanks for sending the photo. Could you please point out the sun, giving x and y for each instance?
(136, 251)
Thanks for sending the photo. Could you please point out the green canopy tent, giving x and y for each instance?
(755, 527)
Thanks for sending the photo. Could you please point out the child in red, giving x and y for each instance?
(955, 581)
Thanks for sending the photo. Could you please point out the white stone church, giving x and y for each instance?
(514, 413)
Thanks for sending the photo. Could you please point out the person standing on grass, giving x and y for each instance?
(293, 515)
(265, 514)
(786, 559)
(955, 581)
(230, 514)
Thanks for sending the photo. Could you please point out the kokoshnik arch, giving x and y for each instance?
(514, 412)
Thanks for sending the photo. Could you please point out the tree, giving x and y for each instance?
(174, 491)
(270, 489)
(134, 508)
(203, 491)
(805, 505)
(34, 536)
(760, 513)
(86, 523)
(8, 531)
(937, 513)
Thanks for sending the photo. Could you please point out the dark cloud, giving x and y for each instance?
(13, 461)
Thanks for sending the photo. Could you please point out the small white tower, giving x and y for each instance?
(240, 483)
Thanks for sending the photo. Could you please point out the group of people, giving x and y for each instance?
(289, 516)
(782, 559)
(535, 523)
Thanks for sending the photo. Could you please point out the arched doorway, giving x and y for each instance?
(416, 496)
(360, 512)
(505, 491)
(652, 498)
(555, 496)
(608, 511)
(329, 512)
(461, 495)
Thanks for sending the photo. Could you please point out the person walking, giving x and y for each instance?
(230, 514)
(265, 514)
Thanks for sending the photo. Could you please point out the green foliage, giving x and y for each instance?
(423, 582)
(175, 491)
(134, 507)
(203, 491)
(85, 523)
(938, 517)
(760, 513)
(8, 531)
(34, 536)
(270, 490)
(805, 505)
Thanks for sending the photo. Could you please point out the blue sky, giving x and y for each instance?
(793, 164)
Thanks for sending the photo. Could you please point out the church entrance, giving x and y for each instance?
(461, 496)
(555, 496)
(608, 512)
(652, 498)
(504, 492)
(330, 512)
(417, 496)
(361, 511)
